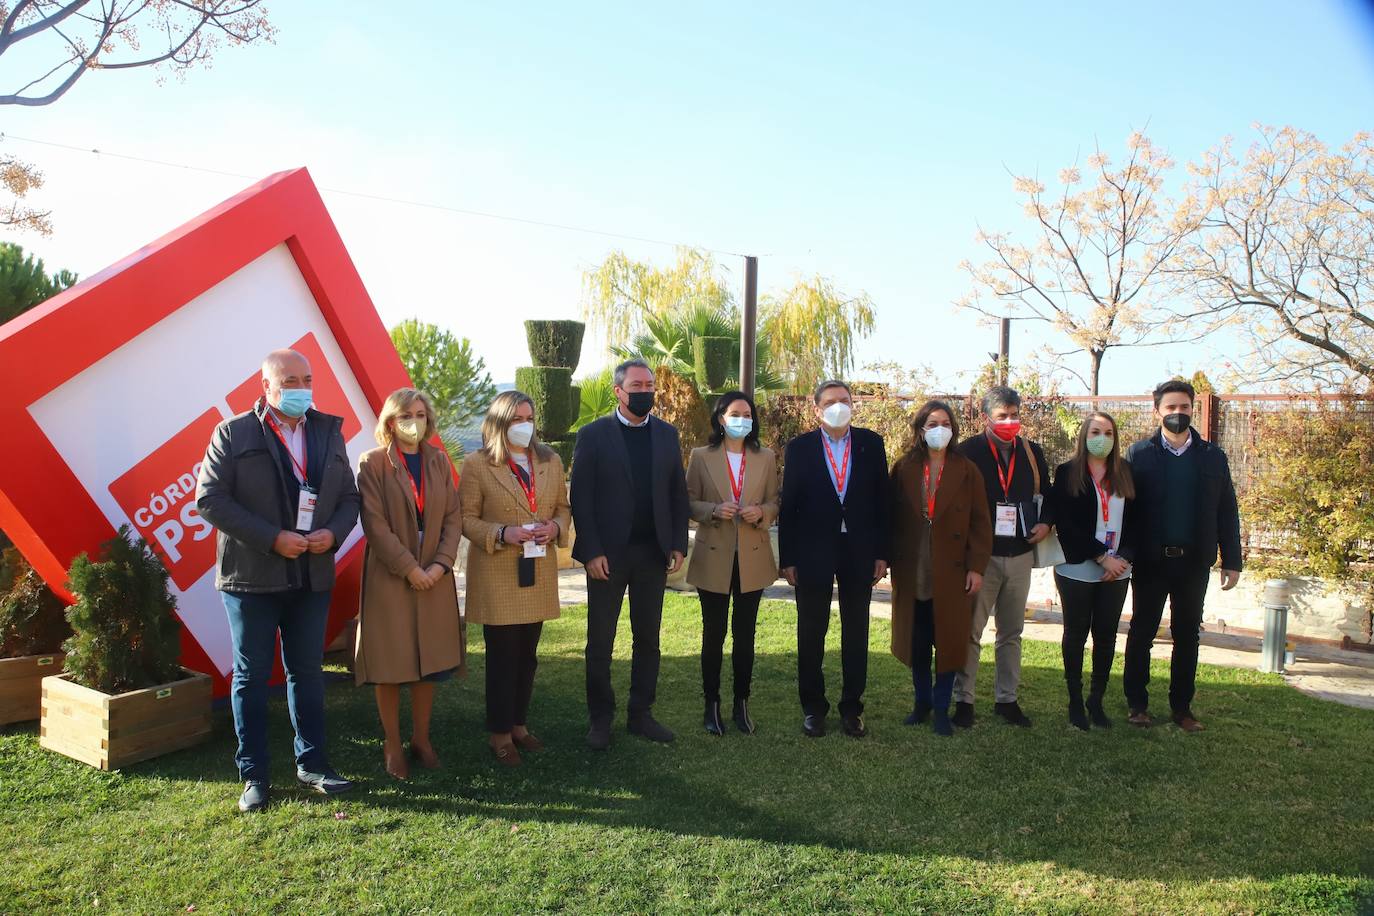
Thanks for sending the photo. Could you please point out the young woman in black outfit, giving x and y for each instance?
(1093, 496)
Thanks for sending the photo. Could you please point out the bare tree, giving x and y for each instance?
(1283, 252)
(1097, 262)
(73, 38)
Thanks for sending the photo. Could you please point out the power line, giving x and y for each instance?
(380, 198)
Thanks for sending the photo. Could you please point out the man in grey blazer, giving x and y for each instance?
(630, 510)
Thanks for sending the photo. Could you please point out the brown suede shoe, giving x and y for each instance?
(1140, 718)
(1188, 723)
(506, 755)
(527, 742)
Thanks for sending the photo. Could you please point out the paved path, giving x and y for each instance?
(1325, 672)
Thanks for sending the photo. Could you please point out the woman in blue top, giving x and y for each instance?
(1093, 496)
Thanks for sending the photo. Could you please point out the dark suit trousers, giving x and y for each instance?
(1183, 581)
(512, 658)
(643, 571)
(813, 620)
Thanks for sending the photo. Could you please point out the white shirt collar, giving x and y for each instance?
(1182, 448)
(621, 417)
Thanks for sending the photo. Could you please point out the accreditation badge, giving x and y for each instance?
(305, 511)
(1007, 514)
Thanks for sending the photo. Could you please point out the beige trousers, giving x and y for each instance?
(1006, 585)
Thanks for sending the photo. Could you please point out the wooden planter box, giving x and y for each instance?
(21, 685)
(110, 732)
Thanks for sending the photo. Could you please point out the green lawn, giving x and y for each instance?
(1271, 810)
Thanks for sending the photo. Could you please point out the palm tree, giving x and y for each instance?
(667, 341)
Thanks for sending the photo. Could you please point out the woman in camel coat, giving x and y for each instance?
(733, 552)
(409, 629)
(941, 543)
(515, 502)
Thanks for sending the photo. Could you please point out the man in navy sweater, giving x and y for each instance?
(1183, 486)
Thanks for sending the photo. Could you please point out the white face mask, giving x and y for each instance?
(408, 431)
(837, 416)
(937, 437)
(520, 434)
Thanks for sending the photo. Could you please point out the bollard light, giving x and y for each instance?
(1277, 598)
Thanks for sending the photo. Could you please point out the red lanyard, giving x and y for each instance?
(841, 470)
(418, 491)
(530, 495)
(1104, 496)
(735, 488)
(930, 494)
(300, 469)
(1005, 479)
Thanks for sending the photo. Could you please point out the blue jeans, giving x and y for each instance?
(254, 620)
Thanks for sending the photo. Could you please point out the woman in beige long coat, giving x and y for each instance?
(409, 630)
(515, 509)
(941, 541)
(733, 488)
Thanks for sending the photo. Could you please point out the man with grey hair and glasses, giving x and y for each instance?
(834, 530)
(1015, 474)
(630, 510)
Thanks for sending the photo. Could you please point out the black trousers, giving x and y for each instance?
(813, 620)
(642, 569)
(512, 657)
(1183, 581)
(1089, 607)
(715, 613)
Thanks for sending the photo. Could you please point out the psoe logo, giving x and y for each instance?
(159, 495)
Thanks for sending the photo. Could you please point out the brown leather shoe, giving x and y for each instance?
(394, 759)
(1140, 718)
(506, 754)
(425, 757)
(527, 742)
(1188, 723)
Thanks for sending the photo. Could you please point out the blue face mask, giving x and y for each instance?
(294, 401)
(738, 427)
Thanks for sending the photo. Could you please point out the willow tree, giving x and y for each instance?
(1097, 261)
(812, 329)
(620, 293)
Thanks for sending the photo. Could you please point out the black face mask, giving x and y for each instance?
(1177, 422)
(639, 403)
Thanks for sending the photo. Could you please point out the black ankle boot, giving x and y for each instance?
(1078, 717)
(1096, 713)
(743, 721)
(712, 719)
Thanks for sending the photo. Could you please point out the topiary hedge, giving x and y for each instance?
(549, 387)
(125, 633)
(564, 448)
(555, 343)
(575, 400)
(712, 357)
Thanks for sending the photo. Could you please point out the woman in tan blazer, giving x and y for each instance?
(733, 488)
(409, 630)
(941, 542)
(515, 509)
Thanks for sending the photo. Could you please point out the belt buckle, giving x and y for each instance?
(1173, 552)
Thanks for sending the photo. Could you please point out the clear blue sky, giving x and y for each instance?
(862, 142)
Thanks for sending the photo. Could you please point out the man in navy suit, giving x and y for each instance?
(833, 527)
(629, 505)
